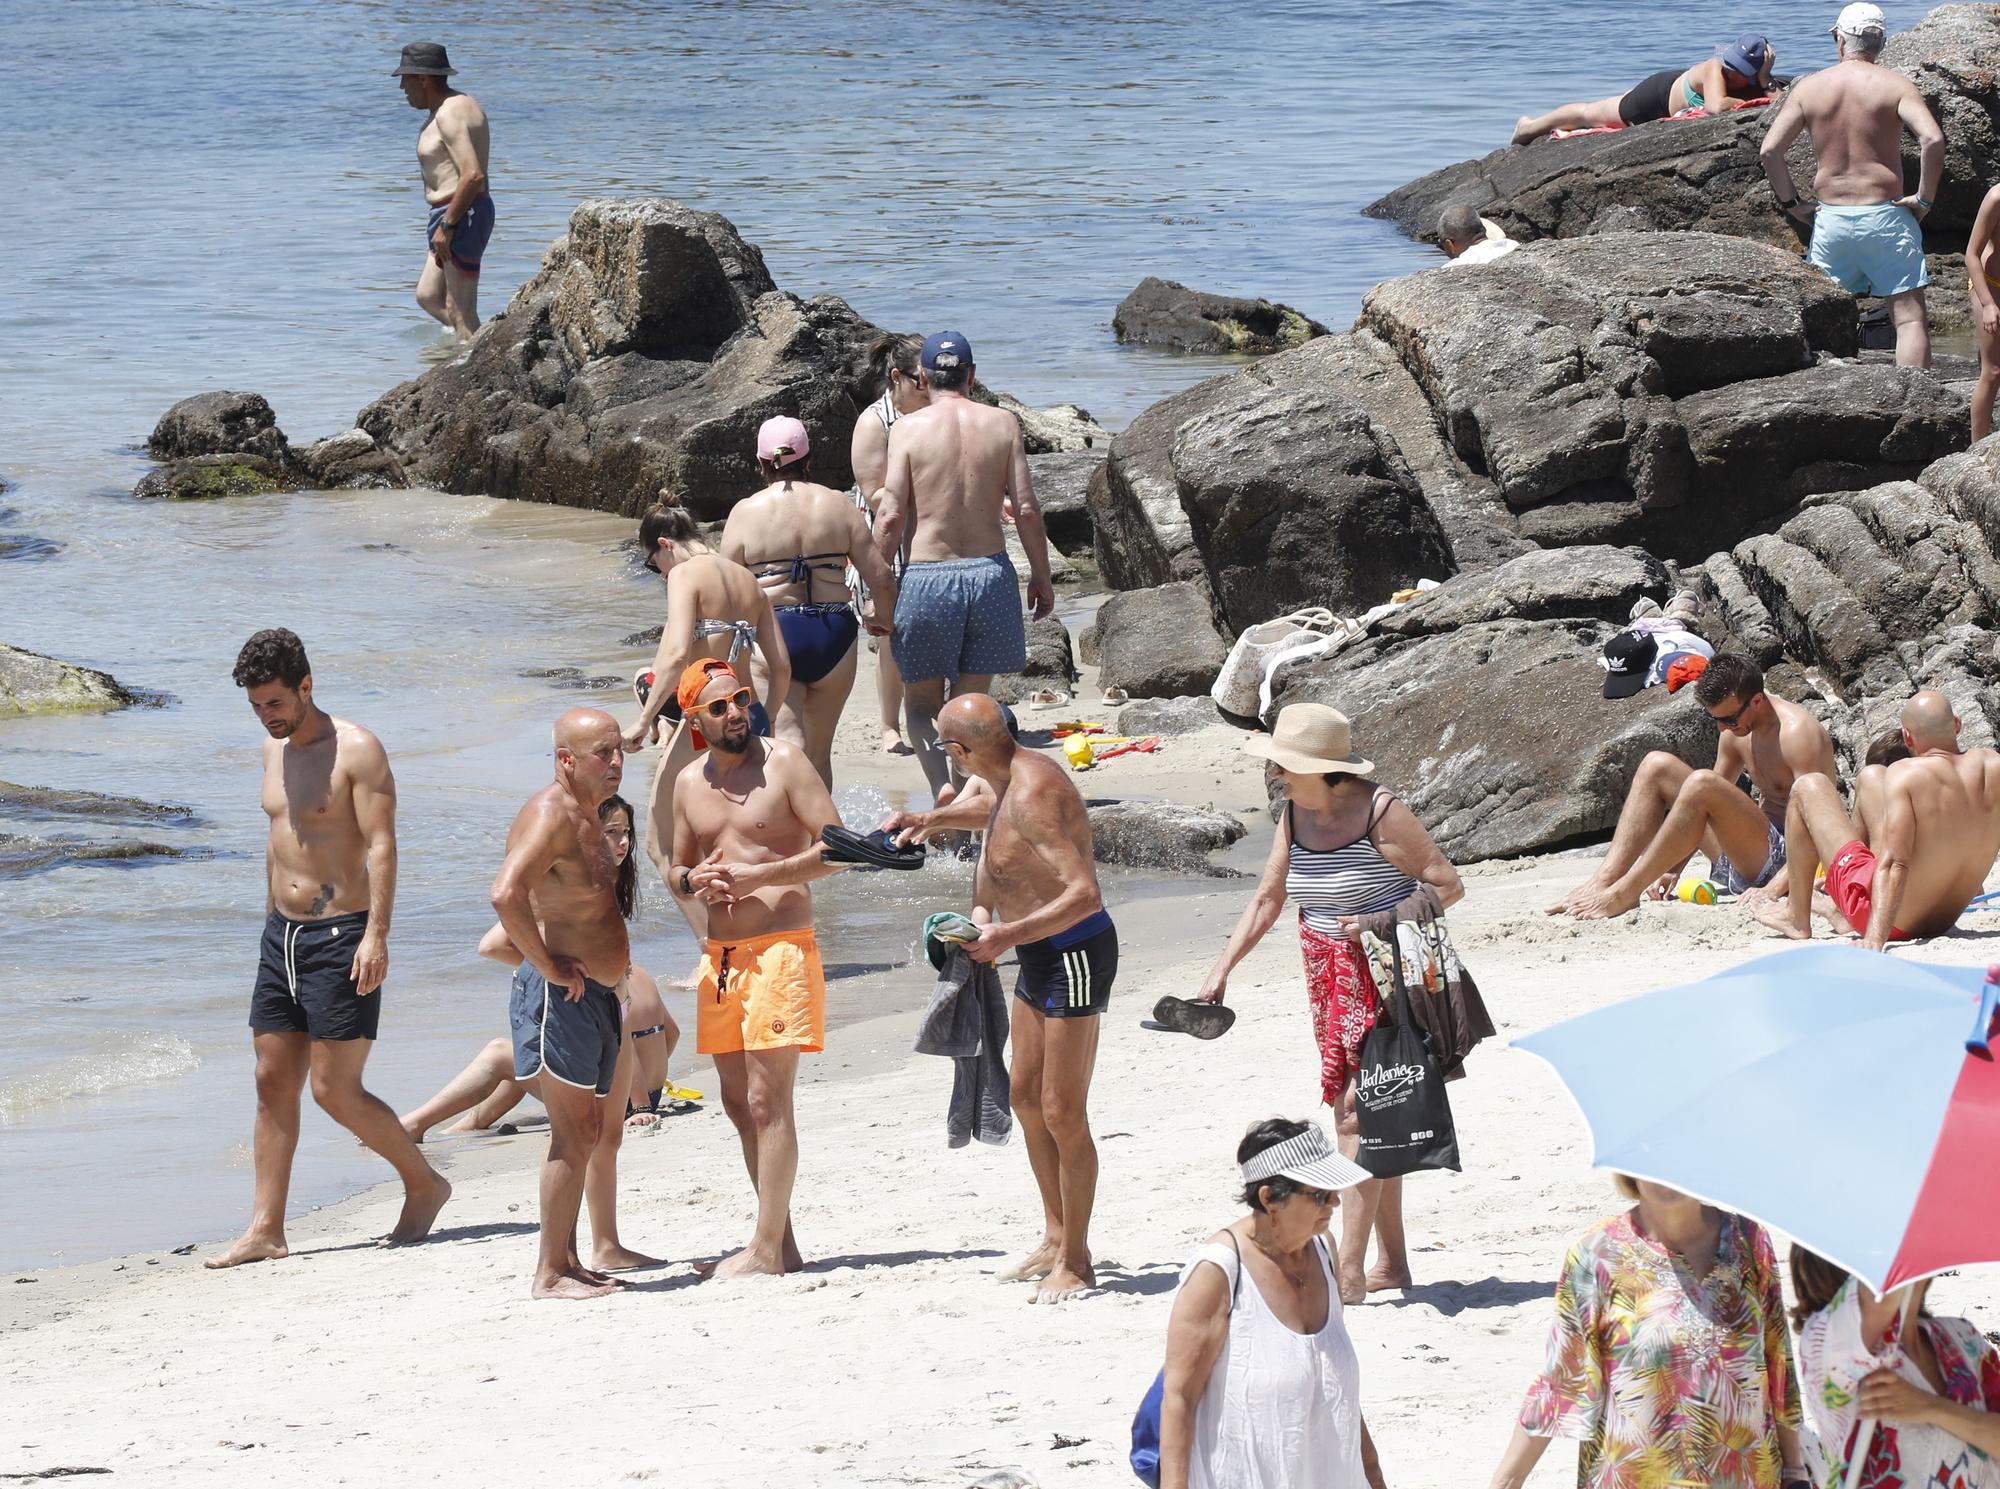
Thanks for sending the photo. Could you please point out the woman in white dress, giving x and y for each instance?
(1262, 1389)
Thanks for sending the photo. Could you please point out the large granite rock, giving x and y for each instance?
(1703, 174)
(32, 684)
(1139, 534)
(1294, 499)
(642, 358)
(1497, 733)
(349, 459)
(1591, 582)
(1158, 643)
(1675, 389)
(1051, 663)
(1162, 313)
(1062, 487)
(219, 423)
(211, 477)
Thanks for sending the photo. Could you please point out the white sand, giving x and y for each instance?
(897, 1359)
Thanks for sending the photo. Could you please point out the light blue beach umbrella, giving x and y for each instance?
(1846, 1098)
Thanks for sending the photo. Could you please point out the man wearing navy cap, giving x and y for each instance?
(952, 468)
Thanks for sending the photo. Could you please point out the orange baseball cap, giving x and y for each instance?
(694, 677)
(1685, 669)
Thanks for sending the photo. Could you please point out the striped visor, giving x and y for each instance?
(1308, 1159)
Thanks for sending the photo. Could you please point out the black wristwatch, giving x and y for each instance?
(452, 227)
(1786, 204)
(687, 886)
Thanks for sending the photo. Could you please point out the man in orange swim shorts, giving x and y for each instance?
(747, 817)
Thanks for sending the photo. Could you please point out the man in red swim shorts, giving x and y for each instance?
(1918, 848)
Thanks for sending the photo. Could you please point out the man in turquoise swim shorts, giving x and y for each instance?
(1865, 228)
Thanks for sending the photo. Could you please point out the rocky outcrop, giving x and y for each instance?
(21, 855)
(1704, 175)
(1158, 643)
(33, 684)
(1584, 583)
(1139, 534)
(56, 804)
(1293, 498)
(1162, 313)
(1496, 733)
(1676, 389)
(1159, 835)
(1168, 716)
(1051, 663)
(1062, 487)
(641, 359)
(349, 459)
(219, 423)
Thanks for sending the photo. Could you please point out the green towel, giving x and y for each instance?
(943, 931)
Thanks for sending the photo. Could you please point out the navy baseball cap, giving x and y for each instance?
(947, 349)
(1748, 56)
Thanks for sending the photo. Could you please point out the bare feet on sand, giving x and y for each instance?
(572, 1286)
(1063, 1283)
(744, 1263)
(249, 1248)
(1383, 1278)
(1036, 1265)
(1600, 904)
(420, 1213)
(413, 1132)
(622, 1259)
(1776, 915)
(1567, 903)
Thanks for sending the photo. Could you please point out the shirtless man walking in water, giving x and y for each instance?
(747, 820)
(556, 895)
(330, 872)
(1037, 893)
(1866, 229)
(1918, 848)
(452, 149)
(952, 465)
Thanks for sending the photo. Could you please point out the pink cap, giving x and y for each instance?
(782, 440)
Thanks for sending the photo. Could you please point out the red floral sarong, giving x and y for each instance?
(1341, 991)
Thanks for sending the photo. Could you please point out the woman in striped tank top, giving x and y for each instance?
(1345, 849)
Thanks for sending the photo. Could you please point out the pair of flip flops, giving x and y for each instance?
(868, 850)
(1173, 1015)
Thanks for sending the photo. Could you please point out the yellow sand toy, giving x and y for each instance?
(1084, 750)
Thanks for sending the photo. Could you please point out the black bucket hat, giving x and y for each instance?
(424, 59)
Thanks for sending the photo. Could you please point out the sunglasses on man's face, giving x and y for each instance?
(1730, 721)
(740, 699)
(950, 744)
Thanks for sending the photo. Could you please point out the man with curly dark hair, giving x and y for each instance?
(330, 870)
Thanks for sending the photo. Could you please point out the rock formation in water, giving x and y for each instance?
(643, 356)
(1162, 313)
(34, 684)
(227, 443)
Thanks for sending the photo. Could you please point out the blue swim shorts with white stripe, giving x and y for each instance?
(1069, 975)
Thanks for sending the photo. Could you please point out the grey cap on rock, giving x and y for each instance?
(424, 59)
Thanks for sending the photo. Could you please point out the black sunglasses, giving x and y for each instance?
(1319, 1196)
(1730, 723)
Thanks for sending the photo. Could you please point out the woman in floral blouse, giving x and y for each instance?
(1669, 1362)
(1933, 1388)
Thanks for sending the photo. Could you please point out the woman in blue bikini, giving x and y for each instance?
(798, 538)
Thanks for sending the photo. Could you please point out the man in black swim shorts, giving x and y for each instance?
(330, 867)
(1037, 893)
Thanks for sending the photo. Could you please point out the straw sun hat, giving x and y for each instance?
(1311, 737)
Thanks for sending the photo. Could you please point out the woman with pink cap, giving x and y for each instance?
(798, 538)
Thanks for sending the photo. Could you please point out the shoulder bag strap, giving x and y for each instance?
(1236, 1287)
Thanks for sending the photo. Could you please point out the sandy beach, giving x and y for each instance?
(896, 1358)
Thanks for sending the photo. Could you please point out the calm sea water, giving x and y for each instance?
(219, 193)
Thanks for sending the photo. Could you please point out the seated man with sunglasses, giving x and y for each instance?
(747, 817)
(1673, 809)
(1921, 841)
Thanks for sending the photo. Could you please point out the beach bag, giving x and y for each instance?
(1241, 679)
(1145, 1458)
(1443, 997)
(1399, 1093)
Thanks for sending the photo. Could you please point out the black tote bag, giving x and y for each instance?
(1399, 1092)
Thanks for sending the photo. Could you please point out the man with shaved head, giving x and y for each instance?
(1037, 893)
(1918, 847)
(747, 818)
(557, 897)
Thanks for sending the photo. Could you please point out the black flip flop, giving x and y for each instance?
(872, 850)
(1187, 1016)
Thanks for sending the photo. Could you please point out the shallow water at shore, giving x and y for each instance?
(1011, 169)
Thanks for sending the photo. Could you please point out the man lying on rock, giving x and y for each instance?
(1921, 841)
(1673, 809)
